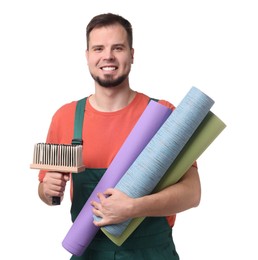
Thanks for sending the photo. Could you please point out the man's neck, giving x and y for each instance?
(111, 99)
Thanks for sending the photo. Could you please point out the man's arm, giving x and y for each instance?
(116, 207)
(176, 198)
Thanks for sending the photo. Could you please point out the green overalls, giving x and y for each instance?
(151, 240)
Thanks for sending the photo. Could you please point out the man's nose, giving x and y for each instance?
(109, 54)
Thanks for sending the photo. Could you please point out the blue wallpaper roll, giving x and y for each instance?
(155, 159)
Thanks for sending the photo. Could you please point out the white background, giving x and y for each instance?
(212, 45)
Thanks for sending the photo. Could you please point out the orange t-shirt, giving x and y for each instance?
(103, 132)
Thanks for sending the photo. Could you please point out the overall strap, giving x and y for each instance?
(154, 99)
(78, 122)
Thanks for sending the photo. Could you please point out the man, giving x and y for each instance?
(110, 114)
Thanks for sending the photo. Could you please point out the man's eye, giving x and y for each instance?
(97, 49)
(118, 48)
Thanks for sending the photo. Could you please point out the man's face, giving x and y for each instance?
(109, 56)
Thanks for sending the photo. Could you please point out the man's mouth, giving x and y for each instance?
(109, 68)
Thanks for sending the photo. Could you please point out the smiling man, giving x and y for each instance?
(110, 61)
(109, 115)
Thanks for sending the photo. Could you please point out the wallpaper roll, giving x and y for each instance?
(155, 159)
(83, 230)
(206, 133)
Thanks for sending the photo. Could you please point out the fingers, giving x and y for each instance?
(57, 178)
(97, 210)
(96, 206)
(99, 223)
(55, 183)
(97, 213)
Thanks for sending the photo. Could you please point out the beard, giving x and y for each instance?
(109, 82)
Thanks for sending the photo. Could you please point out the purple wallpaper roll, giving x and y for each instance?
(83, 230)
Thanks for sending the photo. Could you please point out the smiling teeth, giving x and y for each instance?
(109, 68)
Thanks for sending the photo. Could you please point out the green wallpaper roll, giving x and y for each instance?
(205, 134)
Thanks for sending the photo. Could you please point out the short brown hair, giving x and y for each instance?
(106, 19)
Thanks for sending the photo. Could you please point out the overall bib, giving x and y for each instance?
(151, 240)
